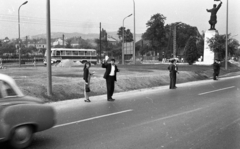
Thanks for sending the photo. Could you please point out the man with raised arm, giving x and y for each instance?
(213, 18)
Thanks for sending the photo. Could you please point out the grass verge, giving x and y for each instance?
(68, 83)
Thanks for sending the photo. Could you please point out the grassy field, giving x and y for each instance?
(68, 83)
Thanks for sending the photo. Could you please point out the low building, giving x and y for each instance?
(41, 44)
(58, 41)
(112, 40)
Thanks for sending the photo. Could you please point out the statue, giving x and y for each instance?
(213, 18)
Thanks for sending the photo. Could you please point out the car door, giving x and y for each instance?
(8, 97)
(2, 105)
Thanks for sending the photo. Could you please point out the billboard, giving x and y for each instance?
(128, 48)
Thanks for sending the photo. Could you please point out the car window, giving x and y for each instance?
(6, 90)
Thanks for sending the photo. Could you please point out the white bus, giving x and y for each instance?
(81, 55)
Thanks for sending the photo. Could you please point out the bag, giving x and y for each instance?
(87, 88)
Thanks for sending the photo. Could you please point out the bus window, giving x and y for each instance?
(68, 52)
(63, 53)
(93, 53)
(87, 52)
(81, 53)
(75, 52)
(57, 53)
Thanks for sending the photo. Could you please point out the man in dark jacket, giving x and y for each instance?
(216, 69)
(110, 76)
(173, 70)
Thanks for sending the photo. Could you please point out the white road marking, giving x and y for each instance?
(216, 90)
(237, 120)
(176, 115)
(92, 118)
(171, 116)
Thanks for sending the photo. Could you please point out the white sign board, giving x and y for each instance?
(128, 48)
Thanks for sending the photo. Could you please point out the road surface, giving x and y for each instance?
(198, 115)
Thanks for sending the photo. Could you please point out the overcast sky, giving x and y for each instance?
(84, 16)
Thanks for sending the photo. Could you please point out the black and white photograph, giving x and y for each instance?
(119, 74)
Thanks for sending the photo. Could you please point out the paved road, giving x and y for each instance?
(199, 115)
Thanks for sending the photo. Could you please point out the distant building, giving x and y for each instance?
(41, 44)
(6, 39)
(59, 41)
(112, 40)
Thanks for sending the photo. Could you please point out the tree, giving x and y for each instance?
(217, 45)
(68, 45)
(184, 32)
(128, 36)
(155, 32)
(237, 54)
(59, 46)
(190, 51)
(120, 32)
(27, 50)
(7, 48)
(84, 44)
(200, 44)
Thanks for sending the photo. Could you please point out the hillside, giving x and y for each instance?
(84, 36)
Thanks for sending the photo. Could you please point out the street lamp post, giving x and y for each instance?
(123, 39)
(226, 50)
(134, 39)
(19, 47)
(175, 38)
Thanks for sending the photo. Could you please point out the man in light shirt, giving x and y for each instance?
(110, 76)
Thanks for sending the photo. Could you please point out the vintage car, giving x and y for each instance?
(21, 116)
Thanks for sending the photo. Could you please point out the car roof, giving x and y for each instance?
(6, 78)
(11, 82)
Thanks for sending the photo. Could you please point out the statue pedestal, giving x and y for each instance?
(208, 56)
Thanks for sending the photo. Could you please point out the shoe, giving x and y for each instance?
(111, 99)
(87, 100)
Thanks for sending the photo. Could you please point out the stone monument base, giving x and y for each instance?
(208, 56)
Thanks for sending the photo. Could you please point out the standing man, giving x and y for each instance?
(173, 70)
(110, 76)
(216, 69)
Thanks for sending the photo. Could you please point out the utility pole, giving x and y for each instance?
(226, 50)
(100, 46)
(49, 67)
(63, 39)
(174, 40)
(134, 39)
(26, 41)
(123, 30)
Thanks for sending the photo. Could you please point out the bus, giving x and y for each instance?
(81, 55)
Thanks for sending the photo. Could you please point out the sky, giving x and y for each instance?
(84, 16)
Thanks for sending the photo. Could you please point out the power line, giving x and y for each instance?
(54, 20)
(62, 23)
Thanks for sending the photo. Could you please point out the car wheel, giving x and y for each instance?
(22, 137)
